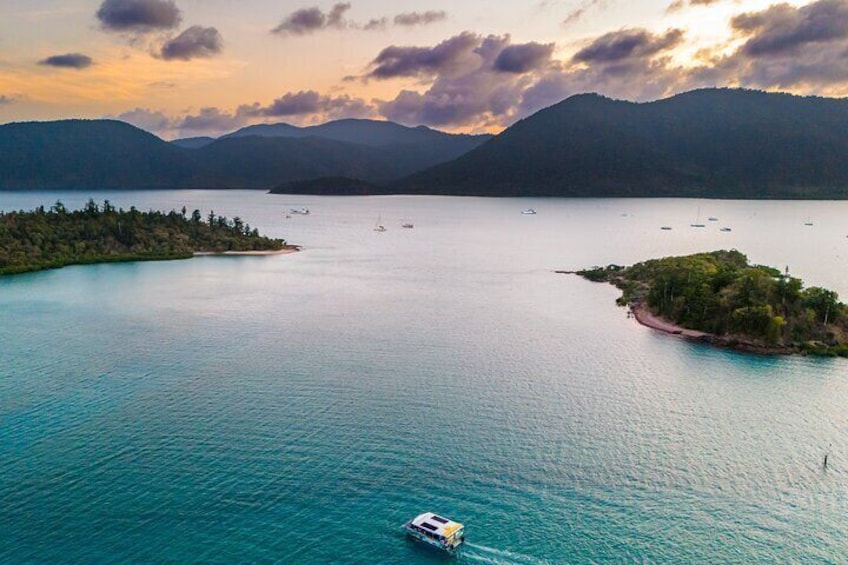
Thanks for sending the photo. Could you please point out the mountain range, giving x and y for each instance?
(718, 143)
(721, 143)
(108, 154)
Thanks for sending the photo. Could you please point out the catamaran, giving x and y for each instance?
(437, 531)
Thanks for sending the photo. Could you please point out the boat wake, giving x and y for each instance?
(483, 554)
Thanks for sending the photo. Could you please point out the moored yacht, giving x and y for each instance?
(528, 212)
(437, 531)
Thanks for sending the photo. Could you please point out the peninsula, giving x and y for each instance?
(721, 299)
(56, 237)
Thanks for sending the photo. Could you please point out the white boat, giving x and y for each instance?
(698, 223)
(379, 225)
(726, 229)
(666, 228)
(301, 211)
(712, 219)
(528, 212)
(437, 531)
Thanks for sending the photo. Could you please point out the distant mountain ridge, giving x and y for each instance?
(375, 133)
(714, 143)
(721, 143)
(109, 154)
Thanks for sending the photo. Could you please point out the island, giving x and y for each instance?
(721, 299)
(56, 237)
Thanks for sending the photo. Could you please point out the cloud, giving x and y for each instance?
(783, 28)
(523, 58)
(309, 102)
(211, 120)
(146, 119)
(139, 16)
(409, 19)
(394, 61)
(475, 82)
(68, 61)
(473, 94)
(310, 20)
(678, 5)
(194, 42)
(375, 24)
(577, 14)
(627, 43)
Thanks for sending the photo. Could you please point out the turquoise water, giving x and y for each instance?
(300, 408)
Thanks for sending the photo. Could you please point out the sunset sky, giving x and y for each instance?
(182, 68)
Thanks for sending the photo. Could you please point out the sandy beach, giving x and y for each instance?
(284, 251)
(646, 318)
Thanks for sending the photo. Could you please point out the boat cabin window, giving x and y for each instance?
(439, 519)
(430, 527)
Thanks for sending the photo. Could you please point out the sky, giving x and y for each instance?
(186, 68)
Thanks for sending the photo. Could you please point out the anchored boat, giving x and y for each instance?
(437, 531)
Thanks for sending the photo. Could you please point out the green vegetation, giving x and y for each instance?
(49, 239)
(721, 294)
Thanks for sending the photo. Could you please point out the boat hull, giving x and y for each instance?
(418, 536)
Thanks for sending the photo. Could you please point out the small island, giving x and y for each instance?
(56, 237)
(721, 299)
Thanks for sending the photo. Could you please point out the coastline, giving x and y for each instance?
(284, 251)
(645, 317)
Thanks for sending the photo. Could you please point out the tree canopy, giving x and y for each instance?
(720, 293)
(56, 237)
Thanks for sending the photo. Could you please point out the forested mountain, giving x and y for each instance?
(107, 154)
(88, 154)
(720, 143)
(366, 132)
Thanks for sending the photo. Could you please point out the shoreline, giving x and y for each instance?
(284, 251)
(650, 320)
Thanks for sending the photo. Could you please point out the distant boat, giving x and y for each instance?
(301, 211)
(712, 219)
(667, 228)
(808, 223)
(407, 225)
(437, 531)
(528, 212)
(698, 223)
(379, 225)
(725, 229)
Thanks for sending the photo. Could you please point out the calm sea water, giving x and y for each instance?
(299, 409)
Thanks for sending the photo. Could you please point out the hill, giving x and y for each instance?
(88, 154)
(375, 133)
(193, 142)
(720, 143)
(107, 154)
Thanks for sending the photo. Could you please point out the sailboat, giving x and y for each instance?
(698, 223)
(379, 225)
